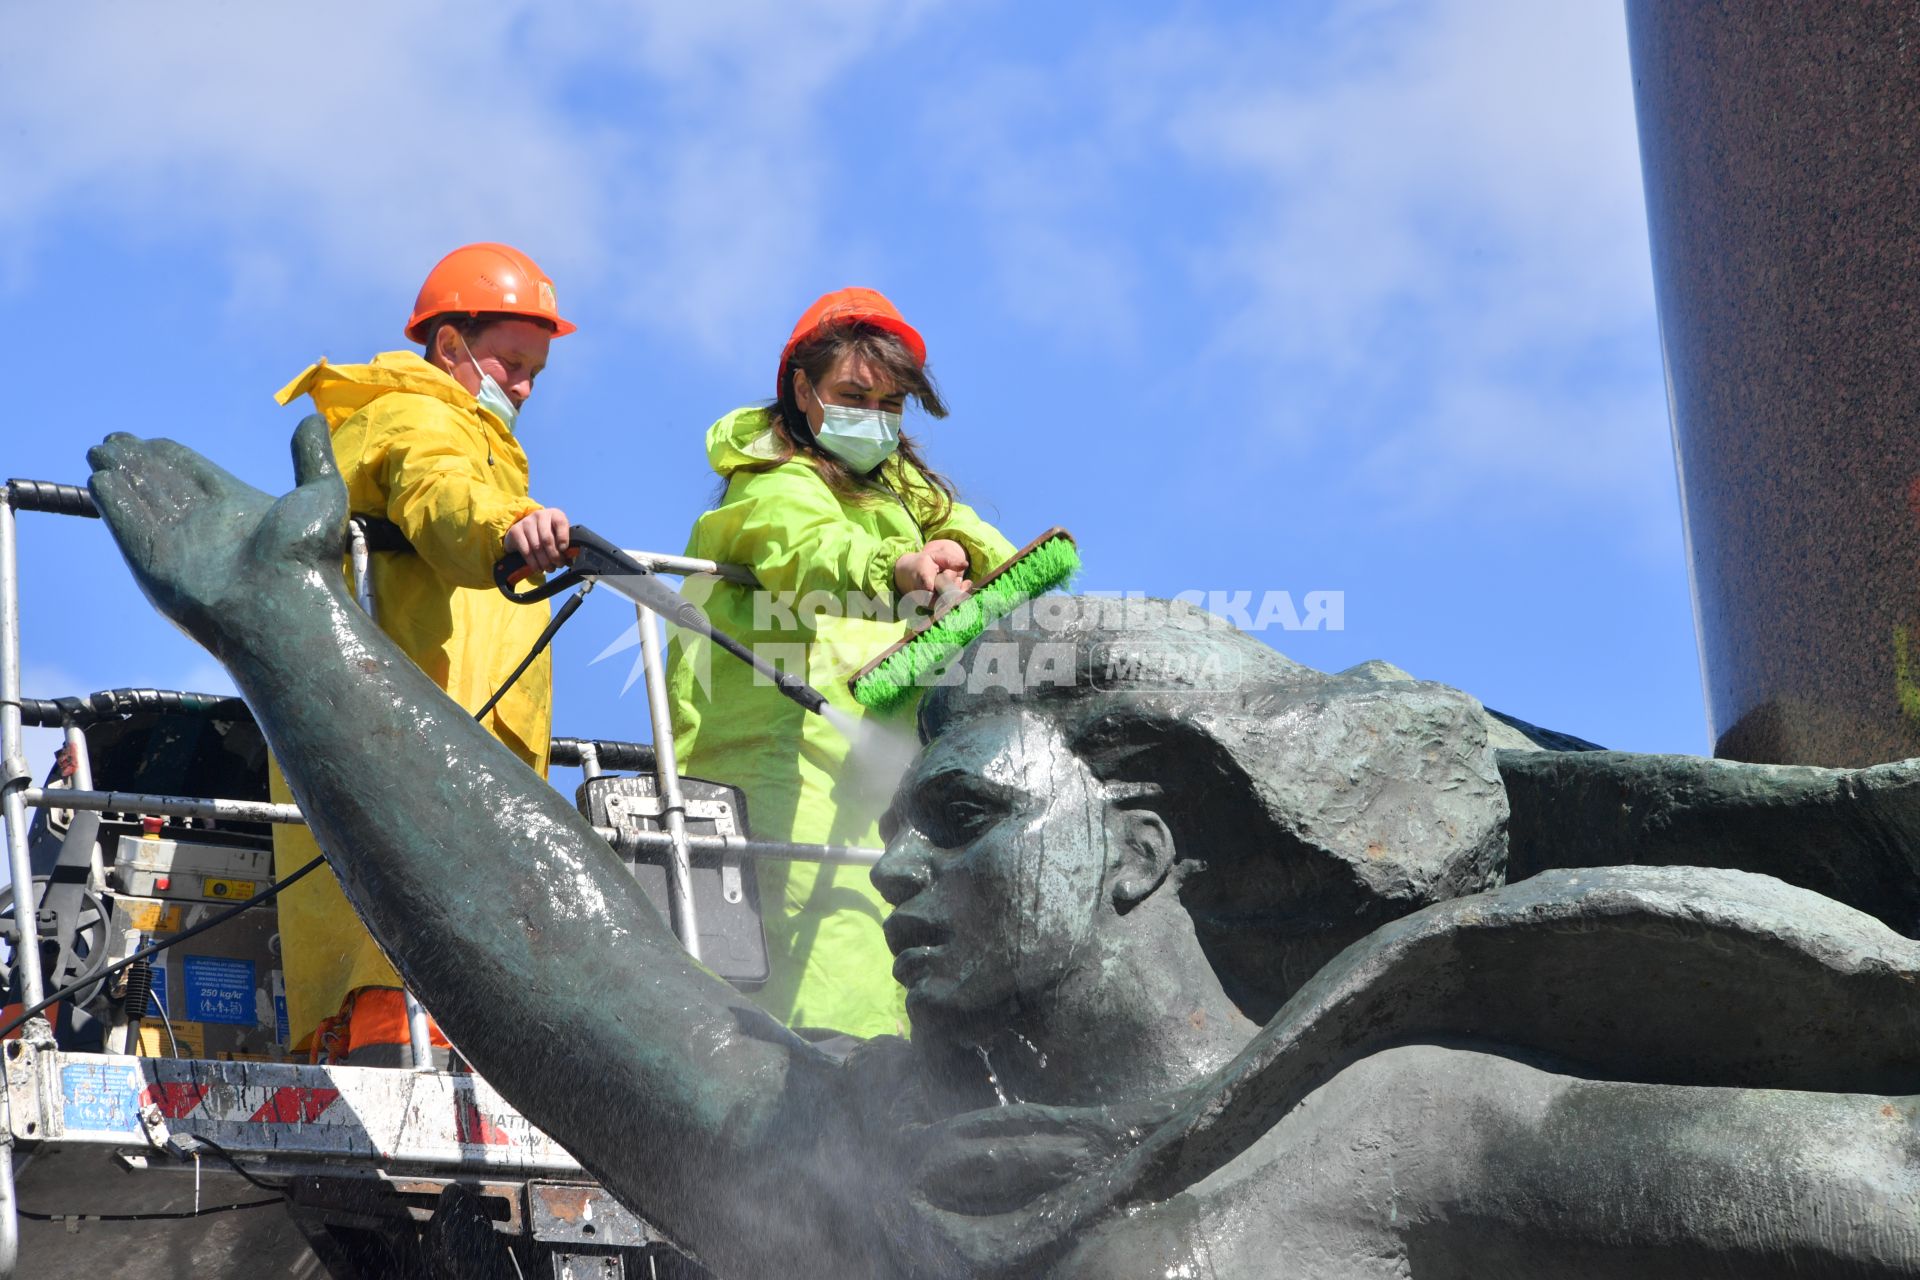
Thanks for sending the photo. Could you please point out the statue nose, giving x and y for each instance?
(904, 870)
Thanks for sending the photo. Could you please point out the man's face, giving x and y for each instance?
(513, 351)
(995, 864)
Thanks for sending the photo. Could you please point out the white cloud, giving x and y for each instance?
(1415, 226)
(1476, 155)
(350, 150)
(1453, 217)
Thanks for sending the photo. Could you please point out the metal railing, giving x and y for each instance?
(72, 714)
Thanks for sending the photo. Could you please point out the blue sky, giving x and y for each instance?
(1342, 296)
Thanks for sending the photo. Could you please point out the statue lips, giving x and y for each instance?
(914, 943)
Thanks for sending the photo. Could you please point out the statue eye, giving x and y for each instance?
(952, 816)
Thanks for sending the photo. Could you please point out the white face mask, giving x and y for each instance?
(490, 396)
(861, 438)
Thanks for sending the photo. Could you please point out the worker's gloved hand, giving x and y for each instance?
(541, 538)
(212, 552)
(939, 566)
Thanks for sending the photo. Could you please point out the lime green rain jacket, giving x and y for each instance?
(810, 549)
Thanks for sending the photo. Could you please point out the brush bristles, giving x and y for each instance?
(1036, 573)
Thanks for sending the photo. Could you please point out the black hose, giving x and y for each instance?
(57, 499)
(594, 556)
(52, 713)
(567, 610)
(569, 753)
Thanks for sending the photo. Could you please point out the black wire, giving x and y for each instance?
(227, 1155)
(155, 948)
(167, 1022)
(147, 1217)
(546, 638)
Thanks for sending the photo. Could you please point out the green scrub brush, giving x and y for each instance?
(1035, 569)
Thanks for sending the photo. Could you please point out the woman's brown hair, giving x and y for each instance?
(816, 356)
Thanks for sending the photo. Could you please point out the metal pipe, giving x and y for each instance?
(666, 772)
(419, 1039)
(747, 847)
(686, 566)
(260, 811)
(590, 760)
(13, 764)
(9, 1207)
(362, 576)
(169, 806)
(82, 780)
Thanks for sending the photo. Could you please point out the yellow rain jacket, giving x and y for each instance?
(830, 963)
(415, 448)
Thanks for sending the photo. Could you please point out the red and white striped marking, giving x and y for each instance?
(394, 1117)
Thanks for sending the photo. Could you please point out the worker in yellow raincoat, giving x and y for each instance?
(427, 443)
(839, 519)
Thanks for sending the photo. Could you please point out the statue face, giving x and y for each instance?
(996, 857)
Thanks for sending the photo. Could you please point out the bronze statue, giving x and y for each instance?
(1210, 975)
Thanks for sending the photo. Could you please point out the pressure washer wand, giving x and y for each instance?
(591, 556)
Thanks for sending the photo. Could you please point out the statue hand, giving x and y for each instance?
(208, 549)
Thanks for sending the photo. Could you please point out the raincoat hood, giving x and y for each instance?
(746, 437)
(341, 390)
(742, 437)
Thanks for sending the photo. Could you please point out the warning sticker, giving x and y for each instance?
(101, 1097)
(229, 889)
(152, 917)
(187, 1040)
(218, 989)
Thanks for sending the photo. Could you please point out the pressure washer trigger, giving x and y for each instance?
(513, 569)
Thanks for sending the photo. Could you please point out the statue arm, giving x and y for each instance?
(512, 920)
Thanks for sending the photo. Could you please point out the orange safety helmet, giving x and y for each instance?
(849, 306)
(486, 277)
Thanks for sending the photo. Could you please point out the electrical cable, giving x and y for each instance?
(147, 1217)
(184, 1151)
(273, 890)
(166, 1022)
(155, 948)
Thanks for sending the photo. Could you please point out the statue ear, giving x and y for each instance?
(1144, 845)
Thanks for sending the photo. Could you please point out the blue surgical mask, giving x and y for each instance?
(490, 396)
(861, 438)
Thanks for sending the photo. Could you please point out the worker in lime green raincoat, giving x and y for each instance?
(427, 444)
(839, 519)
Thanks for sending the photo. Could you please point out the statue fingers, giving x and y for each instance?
(313, 451)
(189, 469)
(117, 453)
(311, 522)
(112, 494)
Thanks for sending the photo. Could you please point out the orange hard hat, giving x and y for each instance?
(850, 306)
(485, 277)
